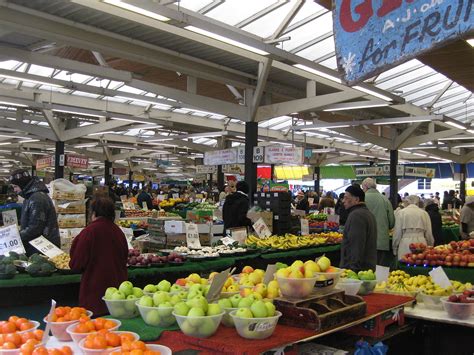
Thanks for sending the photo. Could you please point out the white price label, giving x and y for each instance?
(304, 226)
(261, 229)
(192, 236)
(144, 206)
(9, 218)
(258, 154)
(49, 317)
(269, 273)
(239, 234)
(382, 273)
(44, 246)
(175, 196)
(227, 241)
(440, 278)
(10, 240)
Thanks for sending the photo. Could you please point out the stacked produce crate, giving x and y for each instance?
(156, 231)
(70, 204)
(280, 204)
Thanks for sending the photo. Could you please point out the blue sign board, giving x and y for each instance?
(372, 36)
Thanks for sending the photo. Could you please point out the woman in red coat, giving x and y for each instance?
(100, 253)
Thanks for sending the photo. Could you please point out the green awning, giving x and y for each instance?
(337, 172)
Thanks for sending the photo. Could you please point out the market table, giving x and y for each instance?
(450, 233)
(462, 274)
(436, 315)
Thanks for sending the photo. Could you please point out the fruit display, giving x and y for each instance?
(16, 324)
(168, 203)
(41, 350)
(7, 267)
(156, 310)
(291, 241)
(323, 225)
(318, 217)
(139, 347)
(139, 213)
(367, 277)
(61, 261)
(192, 279)
(130, 223)
(94, 325)
(106, 340)
(454, 254)
(205, 206)
(213, 251)
(25, 342)
(121, 302)
(40, 266)
(459, 307)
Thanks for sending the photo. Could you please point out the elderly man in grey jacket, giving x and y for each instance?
(359, 245)
(382, 209)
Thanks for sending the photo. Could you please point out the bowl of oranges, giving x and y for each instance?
(105, 342)
(19, 342)
(79, 331)
(19, 325)
(63, 317)
(149, 349)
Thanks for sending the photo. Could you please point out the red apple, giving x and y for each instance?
(463, 264)
(456, 258)
(449, 258)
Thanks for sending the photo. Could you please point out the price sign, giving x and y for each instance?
(49, 317)
(44, 246)
(227, 241)
(9, 218)
(175, 196)
(382, 273)
(192, 236)
(269, 273)
(144, 206)
(239, 234)
(440, 278)
(258, 154)
(261, 229)
(304, 226)
(216, 285)
(10, 240)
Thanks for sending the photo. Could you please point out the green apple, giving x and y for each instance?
(149, 288)
(324, 263)
(183, 295)
(244, 313)
(259, 310)
(165, 309)
(137, 292)
(188, 328)
(181, 309)
(167, 321)
(152, 318)
(194, 293)
(146, 301)
(225, 303)
(270, 309)
(245, 302)
(118, 295)
(196, 287)
(175, 299)
(164, 285)
(198, 301)
(213, 309)
(176, 288)
(126, 288)
(109, 292)
(161, 297)
(131, 297)
(235, 299)
(198, 313)
(207, 328)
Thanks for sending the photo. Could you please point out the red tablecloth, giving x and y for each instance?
(227, 341)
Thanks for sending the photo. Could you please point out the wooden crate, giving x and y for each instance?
(321, 312)
(376, 327)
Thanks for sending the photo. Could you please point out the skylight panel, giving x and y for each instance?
(234, 11)
(194, 5)
(318, 50)
(309, 32)
(40, 70)
(9, 64)
(330, 63)
(131, 90)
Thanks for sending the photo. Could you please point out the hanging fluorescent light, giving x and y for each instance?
(101, 133)
(320, 125)
(35, 81)
(131, 120)
(318, 72)
(86, 145)
(404, 151)
(355, 107)
(5, 143)
(12, 104)
(29, 141)
(373, 93)
(226, 40)
(465, 146)
(456, 125)
(193, 135)
(78, 113)
(323, 150)
(348, 153)
(137, 10)
(471, 131)
(419, 154)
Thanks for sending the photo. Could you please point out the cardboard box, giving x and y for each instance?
(175, 227)
(173, 240)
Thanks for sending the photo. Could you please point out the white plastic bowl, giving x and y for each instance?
(326, 281)
(164, 350)
(255, 328)
(296, 288)
(199, 327)
(58, 329)
(227, 319)
(458, 310)
(87, 351)
(122, 309)
(156, 317)
(350, 286)
(402, 293)
(36, 324)
(77, 337)
(431, 301)
(367, 287)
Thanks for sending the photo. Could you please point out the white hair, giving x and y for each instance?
(413, 200)
(369, 183)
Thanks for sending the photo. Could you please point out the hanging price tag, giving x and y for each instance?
(9, 218)
(10, 240)
(440, 278)
(261, 229)
(44, 246)
(304, 226)
(48, 324)
(192, 236)
(239, 234)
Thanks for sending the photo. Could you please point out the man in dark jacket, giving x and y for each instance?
(359, 245)
(236, 206)
(302, 202)
(436, 223)
(144, 196)
(38, 215)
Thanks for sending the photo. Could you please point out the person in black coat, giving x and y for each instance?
(144, 196)
(302, 202)
(341, 210)
(436, 223)
(236, 206)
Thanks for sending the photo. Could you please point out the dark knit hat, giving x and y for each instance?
(356, 191)
(20, 177)
(242, 186)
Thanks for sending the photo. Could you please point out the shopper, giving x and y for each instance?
(341, 210)
(302, 202)
(359, 244)
(451, 201)
(236, 206)
(100, 253)
(431, 207)
(382, 209)
(327, 201)
(144, 197)
(412, 225)
(224, 194)
(467, 218)
(38, 215)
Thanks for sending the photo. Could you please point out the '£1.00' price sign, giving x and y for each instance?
(10, 240)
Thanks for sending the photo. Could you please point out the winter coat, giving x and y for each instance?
(234, 211)
(382, 209)
(436, 223)
(100, 253)
(38, 216)
(359, 244)
(145, 197)
(303, 205)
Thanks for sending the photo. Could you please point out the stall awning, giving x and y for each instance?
(291, 172)
(337, 172)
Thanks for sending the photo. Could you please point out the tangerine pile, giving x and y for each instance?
(86, 325)
(26, 342)
(136, 347)
(104, 339)
(67, 314)
(15, 324)
(41, 350)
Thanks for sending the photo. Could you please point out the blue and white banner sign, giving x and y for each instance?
(372, 36)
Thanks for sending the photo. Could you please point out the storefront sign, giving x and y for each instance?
(206, 169)
(138, 177)
(9, 218)
(77, 161)
(283, 155)
(419, 172)
(120, 171)
(240, 155)
(10, 240)
(373, 36)
(44, 246)
(400, 170)
(258, 154)
(369, 171)
(44, 162)
(279, 187)
(234, 169)
(221, 157)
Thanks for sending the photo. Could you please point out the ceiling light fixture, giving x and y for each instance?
(465, 146)
(130, 120)
(355, 107)
(12, 104)
(372, 92)
(19, 78)
(192, 135)
(101, 133)
(137, 10)
(226, 40)
(5, 143)
(86, 145)
(29, 141)
(318, 72)
(142, 100)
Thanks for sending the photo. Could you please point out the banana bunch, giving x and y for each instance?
(436, 290)
(288, 241)
(399, 287)
(443, 247)
(460, 287)
(397, 276)
(380, 287)
(419, 281)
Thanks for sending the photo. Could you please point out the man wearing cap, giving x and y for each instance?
(236, 206)
(467, 218)
(38, 215)
(302, 202)
(359, 245)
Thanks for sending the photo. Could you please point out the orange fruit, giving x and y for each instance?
(113, 340)
(90, 326)
(41, 350)
(89, 343)
(81, 328)
(19, 321)
(138, 345)
(127, 336)
(27, 336)
(107, 324)
(38, 334)
(27, 348)
(100, 342)
(8, 327)
(126, 345)
(26, 325)
(66, 350)
(14, 338)
(13, 319)
(136, 352)
(8, 345)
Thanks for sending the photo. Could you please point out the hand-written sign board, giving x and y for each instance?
(10, 240)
